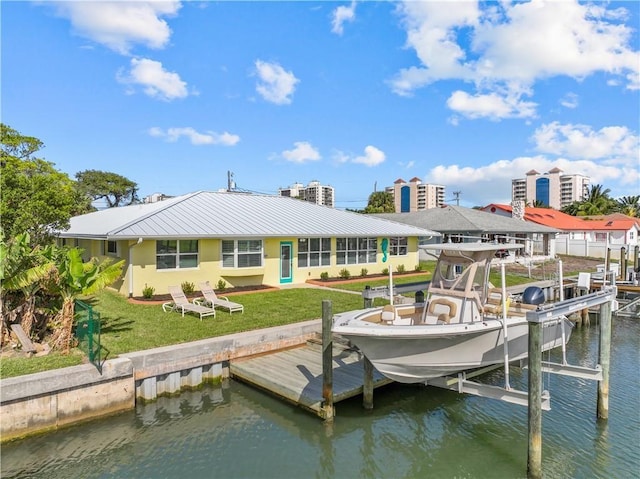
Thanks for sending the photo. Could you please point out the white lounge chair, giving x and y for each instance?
(211, 299)
(182, 304)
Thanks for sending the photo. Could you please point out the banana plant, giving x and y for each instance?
(78, 278)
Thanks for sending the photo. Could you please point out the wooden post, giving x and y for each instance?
(604, 359)
(623, 263)
(327, 361)
(367, 386)
(607, 262)
(534, 459)
(368, 302)
(636, 255)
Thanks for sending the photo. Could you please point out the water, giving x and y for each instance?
(234, 431)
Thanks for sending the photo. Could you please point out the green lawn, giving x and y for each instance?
(130, 327)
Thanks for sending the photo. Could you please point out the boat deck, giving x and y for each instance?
(296, 374)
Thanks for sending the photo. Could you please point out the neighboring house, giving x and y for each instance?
(459, 224)
(582, 236)
(242, 239)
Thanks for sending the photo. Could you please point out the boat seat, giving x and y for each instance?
(388, 314)
(446, 316)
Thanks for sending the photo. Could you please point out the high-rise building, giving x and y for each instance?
(415, 195)
(314, 192)
(551, 189)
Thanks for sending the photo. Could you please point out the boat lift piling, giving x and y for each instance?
(327, 359)
(536, 320)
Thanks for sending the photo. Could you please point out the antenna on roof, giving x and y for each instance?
(457, 194)
(231, 185)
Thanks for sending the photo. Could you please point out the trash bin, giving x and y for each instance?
(419, 297)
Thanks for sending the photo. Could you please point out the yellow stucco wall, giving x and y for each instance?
(143, 267)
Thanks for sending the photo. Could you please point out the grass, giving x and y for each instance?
(128, 327)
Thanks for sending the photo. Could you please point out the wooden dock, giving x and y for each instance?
(296, 374)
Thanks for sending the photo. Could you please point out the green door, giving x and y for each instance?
(286, 262)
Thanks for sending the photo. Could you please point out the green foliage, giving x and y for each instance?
(324, 276)
(385, 271)
(115, 189)
(344, 273)
(188, 287)
(148, 291)
(629, 205)
(401, 269)
(364, 272)
(36, 198)
(597, 202)
(380, 202)
(221, 285)
(418, 268)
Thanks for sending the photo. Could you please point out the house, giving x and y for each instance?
(460, 224)
(239, 238)
(581, 235)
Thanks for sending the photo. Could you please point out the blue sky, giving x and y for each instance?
(173, 95)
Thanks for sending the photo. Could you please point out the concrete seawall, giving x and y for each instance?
(43, 401)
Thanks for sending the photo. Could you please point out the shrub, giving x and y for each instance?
(401, 269)
(344, 273)
(222, 284)
(148, 291)
(418, 268)
(364, 272)
(385, 271)
(324, 276)
(188, 287)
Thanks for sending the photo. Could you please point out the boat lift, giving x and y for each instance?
(462, 384)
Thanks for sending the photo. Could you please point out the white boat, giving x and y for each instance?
(461, 325)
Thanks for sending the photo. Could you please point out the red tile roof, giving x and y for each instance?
(559, 220)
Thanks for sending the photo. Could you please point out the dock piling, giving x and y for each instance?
(534, 458)
(604, 360)
(327, 361)
(367, 385)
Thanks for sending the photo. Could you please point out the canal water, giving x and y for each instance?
(234, 431)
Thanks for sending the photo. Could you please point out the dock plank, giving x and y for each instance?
(296, 375)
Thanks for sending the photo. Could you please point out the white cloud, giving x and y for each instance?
(372, 157)
(301, 153)
(510, 45)
(581, 141)
(341, 15)
(275, 84)
(492, 106)
(120, 25)
(195, 137)
(154, 79)
(570, 100)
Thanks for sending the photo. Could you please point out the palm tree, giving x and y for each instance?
(76, 278)
(597, 202)
(629, 205)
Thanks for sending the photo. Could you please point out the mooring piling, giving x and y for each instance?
(327, 360)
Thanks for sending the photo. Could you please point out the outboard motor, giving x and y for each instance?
(533, 295)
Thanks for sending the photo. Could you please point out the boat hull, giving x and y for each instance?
(414, 354)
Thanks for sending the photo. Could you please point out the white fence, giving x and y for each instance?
(593, 249)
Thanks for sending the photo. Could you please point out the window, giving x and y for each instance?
(241, 253)
(314, 252)
(111, 248)
(176, 254)
(356, 250)
(398, 246)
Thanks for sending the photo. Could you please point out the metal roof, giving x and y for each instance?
(232, 215)
(458, 219)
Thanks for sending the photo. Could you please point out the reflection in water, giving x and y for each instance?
(233, 431)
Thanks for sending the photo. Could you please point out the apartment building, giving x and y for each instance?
(314, 192)
(553, 188)
(415, 195)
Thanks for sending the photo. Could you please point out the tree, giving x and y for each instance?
(23, 271)
(380, 202)
(597, 202)
(115, 189)
(76, 278)
(36, 198)
(629, 205)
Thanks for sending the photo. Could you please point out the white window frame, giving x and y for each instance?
(398, 246)
(239, 251)
(305, 258)
(178, 254)
(360, 250)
